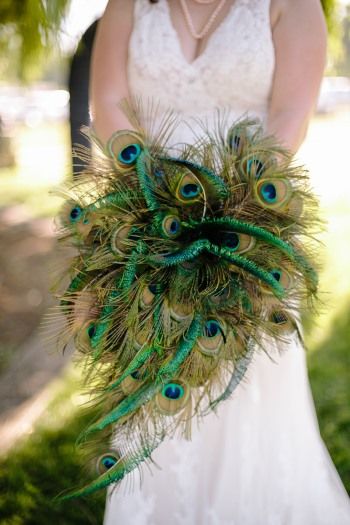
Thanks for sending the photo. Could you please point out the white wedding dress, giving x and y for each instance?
(260, 460)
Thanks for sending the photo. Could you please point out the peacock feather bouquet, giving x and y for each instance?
(183, 265)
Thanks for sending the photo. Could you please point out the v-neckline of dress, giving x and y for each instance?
(210, 40)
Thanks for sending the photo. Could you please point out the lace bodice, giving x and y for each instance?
(234, 72)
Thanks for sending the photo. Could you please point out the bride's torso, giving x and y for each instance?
(233, 72)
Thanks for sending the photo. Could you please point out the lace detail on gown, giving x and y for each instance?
(238, 82)
(260, 459)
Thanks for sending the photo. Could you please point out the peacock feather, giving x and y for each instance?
(182, 262)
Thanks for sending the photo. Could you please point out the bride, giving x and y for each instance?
(260, 460)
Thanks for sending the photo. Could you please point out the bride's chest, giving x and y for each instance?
(238, 56)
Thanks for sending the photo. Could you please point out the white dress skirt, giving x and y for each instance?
(260, 460)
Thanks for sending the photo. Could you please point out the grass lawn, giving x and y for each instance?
(46, 462)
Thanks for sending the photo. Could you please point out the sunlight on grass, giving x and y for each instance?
(42, 157)
(325, 155)
(47, 463)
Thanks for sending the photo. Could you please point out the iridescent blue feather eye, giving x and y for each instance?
(273, 193)
(189, 188)
(236, 242)
(106, 462)
(173, 391)
(279, 317)
(189, 191)
(173, 397)
(109, 462)
(209, 343)
(212, 328)
(231, 240)
(129, 154)
(156, 288)
(152, 288)
(75, 213)
(268, 192)
(91, 330)
(282, 321)
(276, 274)
(283, 277)
(171, 226)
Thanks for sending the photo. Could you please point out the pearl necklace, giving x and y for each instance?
(200, 34)
(205, 2)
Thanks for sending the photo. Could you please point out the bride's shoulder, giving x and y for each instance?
(294, 9)
(118, 17)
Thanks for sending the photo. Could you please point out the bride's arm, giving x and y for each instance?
(108, 74)
(300, 37)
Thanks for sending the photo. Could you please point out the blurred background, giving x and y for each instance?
(44, 67)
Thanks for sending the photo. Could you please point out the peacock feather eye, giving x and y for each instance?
(189, 188)
(236, 242)
(212, 328)
(75, 213)
(119, 239)
(132, 382)
(283, 277)
(129, 154)
(171, 226)
(279, 317)
(106, 462)
(125, 147)
(281, 321)
(91, 330)
(276, 274)
(268, 192)
(230, 240)
(78, 219)
(173, 391)
(255, 167)
(273, 193)
(173, 397)
(85, 334)
(156, 288)
(209, 343)
(149, 292)
(236, 140)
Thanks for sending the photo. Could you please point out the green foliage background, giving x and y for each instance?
(28, 30)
